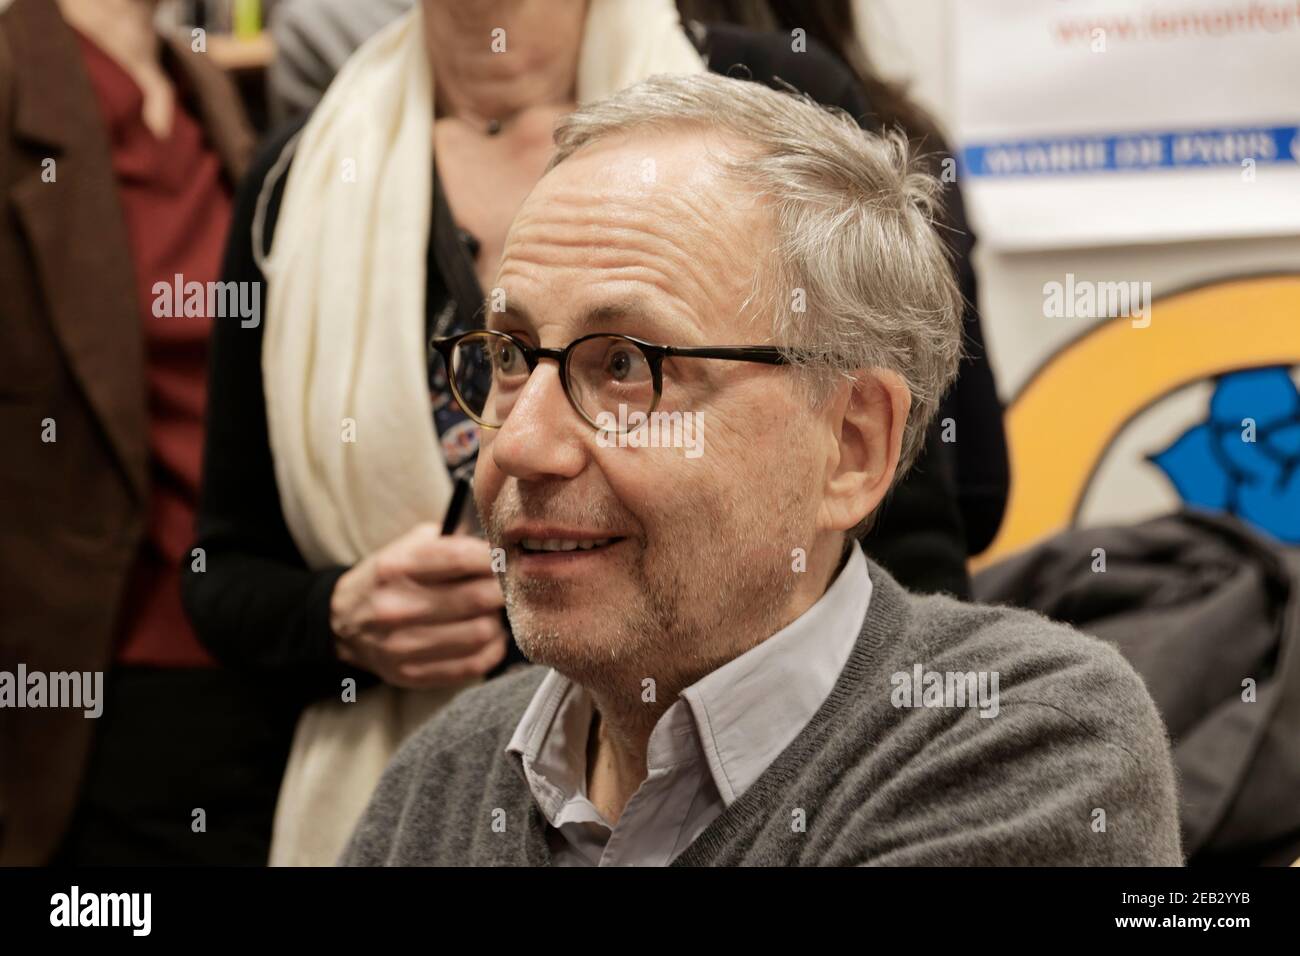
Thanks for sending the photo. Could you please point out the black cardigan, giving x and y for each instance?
(258, 607)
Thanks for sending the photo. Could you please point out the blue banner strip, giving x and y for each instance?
(1133, 152)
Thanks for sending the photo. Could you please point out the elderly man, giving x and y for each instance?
(721, 676)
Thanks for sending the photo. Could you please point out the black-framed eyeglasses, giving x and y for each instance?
(607, 377)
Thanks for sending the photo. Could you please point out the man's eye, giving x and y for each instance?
(624, 364)
(507, 358)
(619, 363)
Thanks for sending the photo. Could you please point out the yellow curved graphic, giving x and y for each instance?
(1060, 425)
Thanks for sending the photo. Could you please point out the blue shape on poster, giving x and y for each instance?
(1212, 465)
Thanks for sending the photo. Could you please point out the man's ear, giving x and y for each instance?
(872, 416)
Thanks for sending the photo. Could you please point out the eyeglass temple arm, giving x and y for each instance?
(765, 354)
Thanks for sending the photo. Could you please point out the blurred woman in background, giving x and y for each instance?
(119, 151)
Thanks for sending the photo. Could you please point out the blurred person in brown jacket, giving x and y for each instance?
(119, 150)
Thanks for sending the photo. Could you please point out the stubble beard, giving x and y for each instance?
(686, 615)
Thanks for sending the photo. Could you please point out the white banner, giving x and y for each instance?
(1104, 122)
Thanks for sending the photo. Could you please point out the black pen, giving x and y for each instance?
(458, 495)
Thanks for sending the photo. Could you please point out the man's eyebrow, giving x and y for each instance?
(620, 310)
(516, 312)
(605, 316)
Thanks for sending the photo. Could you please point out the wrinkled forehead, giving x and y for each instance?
(655, 219)
(649, 162)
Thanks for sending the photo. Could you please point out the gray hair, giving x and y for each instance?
(854, 217)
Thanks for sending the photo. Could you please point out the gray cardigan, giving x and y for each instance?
(1074, 769)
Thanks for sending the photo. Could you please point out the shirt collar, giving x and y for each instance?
(551, 743)
(751, 708)
(744, 713)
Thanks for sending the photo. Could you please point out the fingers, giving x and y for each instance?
(428, 643)
(422, 612)
(397, 607)
(345, 653)
(425, 555)
(431, 656)
(428, 674)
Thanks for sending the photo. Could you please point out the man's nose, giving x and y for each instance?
(543, 436)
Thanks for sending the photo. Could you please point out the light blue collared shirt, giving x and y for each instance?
(707, 748)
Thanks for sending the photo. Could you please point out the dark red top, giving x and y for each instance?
(176, 202)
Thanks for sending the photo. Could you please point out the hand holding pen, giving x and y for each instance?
(425, 610)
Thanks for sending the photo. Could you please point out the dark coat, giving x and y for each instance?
(72, 511)
(1199, 604)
